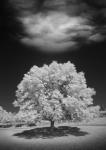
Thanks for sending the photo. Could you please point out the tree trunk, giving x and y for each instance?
(52, 124)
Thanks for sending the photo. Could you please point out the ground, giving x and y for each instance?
(67, 136)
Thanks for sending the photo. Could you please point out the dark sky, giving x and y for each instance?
(16, 59)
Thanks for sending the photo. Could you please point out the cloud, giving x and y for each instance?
(56, 32)
(59, 25)
(49, 46)
(99, 2)
(96, 37)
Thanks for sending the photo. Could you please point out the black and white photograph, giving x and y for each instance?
(53, 75)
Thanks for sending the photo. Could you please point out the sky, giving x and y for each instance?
(37, 32)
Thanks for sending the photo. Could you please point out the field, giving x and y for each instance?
(67, 136)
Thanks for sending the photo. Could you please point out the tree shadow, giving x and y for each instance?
(47, 132)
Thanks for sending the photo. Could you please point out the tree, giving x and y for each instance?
(56, 92)
(5, 117)
(26, 117)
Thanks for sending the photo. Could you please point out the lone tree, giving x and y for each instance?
(55, 92)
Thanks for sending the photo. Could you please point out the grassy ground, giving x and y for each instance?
(91, 136)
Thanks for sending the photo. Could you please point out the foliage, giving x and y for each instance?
(5, 117)
(55, 92)
(25, 117)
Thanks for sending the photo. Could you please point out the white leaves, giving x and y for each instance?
(26, 116)
(57, 95)
(55, 91)
(86, 94)
(5, 116)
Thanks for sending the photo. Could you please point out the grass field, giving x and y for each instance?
(67, 136)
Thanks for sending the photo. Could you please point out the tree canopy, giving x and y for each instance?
(55, 92)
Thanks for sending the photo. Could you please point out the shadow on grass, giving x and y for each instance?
(46, 132)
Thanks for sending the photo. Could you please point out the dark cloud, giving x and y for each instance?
(97, 3)
(81, 20)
